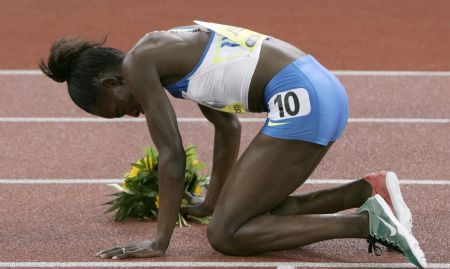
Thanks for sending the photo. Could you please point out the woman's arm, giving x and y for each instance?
(144, 82)
(226, 149)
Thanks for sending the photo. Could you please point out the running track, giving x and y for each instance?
(56, 160)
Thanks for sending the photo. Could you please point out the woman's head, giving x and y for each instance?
(93, 75)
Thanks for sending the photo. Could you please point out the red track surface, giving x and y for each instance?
(346, 34)
(65, 222)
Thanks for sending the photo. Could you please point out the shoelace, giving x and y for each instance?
(376, 249)
(373, 247)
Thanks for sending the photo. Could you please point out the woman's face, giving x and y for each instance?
(116, 101)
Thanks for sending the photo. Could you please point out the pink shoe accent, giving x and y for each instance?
(378, 182)
(386, 184)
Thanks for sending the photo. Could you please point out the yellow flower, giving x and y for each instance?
(194, 162)
(157, 201)
(197, 190)
(134, 171)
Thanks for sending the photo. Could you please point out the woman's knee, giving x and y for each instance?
(222, 238)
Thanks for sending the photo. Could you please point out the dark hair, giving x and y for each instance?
(79, 62)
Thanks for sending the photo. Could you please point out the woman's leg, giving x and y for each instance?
(265, 175)
(351, 195)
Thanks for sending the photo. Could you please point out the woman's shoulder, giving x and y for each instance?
(169, 52)
(151, 42)
(151, 48)
(166, 43)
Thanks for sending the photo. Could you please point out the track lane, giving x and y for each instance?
(369, 96)
(70, 219)
(90, 150)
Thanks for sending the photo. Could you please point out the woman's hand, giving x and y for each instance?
(143, 249)
(200, 210)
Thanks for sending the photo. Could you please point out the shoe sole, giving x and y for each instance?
(412, 243)
(401, 209)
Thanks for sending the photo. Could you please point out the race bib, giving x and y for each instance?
(289, 104)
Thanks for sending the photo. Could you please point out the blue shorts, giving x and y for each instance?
(305, 102)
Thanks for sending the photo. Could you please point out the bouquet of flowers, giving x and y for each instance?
(138, 196)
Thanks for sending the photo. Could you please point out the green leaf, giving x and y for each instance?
(200, 166)
(121, 214)
(202, 220)
(112, 208)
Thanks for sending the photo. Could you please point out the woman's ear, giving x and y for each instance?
(110, 82)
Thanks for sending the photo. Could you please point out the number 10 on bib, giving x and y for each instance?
(289, 104)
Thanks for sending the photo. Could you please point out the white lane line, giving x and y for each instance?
(285, 267)
(391, 73)
(61, 181)
(402, 181)
(118, 180)
(280, 265)
(83, 120)
(201, 120)
(37, 72)
(21, 72)
(398, 120)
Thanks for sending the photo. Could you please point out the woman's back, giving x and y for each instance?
(209, 68)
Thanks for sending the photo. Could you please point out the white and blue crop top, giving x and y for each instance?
(221, 78)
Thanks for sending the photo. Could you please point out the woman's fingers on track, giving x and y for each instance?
(133, 250)
(113, 249)
(139, 254)
(105, 251)
(115, 252)
(128, 253)
(108, 253)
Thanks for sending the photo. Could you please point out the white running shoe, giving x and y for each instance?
(384, 228)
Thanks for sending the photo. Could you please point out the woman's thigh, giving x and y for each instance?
(268, 171)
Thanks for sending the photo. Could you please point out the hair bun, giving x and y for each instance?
(63, 55)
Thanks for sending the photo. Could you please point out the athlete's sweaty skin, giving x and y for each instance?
(249, 198)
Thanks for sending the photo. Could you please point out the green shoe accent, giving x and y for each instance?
(384, 228)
